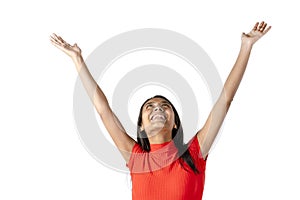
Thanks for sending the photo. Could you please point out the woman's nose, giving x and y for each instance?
(158, 108)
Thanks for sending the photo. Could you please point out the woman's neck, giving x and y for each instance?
(160, 138)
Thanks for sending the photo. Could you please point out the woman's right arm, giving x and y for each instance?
(122, 140)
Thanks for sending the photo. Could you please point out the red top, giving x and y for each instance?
(158, 174)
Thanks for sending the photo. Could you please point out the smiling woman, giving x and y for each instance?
(162, 166)
(164, 155)
(157, 117)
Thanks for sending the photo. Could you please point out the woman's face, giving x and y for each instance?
(157, 116)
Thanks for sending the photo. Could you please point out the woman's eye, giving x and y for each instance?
(148, 106)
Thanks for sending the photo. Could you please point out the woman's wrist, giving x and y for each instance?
(77, 59)
(246, 45)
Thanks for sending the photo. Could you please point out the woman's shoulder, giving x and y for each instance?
(195, 149)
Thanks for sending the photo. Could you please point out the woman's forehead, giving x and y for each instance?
(157, 100)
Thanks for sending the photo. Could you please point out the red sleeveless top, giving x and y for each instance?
(159, 175)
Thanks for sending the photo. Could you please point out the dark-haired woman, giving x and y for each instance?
(161, 165)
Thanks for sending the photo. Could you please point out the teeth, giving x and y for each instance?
(158, 117)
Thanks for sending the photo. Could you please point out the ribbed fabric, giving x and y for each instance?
(158, 175)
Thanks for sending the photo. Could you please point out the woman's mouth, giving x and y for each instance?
(158, 117)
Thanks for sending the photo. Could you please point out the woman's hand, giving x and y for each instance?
(72, 51)
(259, 30)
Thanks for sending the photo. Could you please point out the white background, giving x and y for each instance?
(41, 155)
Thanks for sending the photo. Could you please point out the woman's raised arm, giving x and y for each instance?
(122, 140)
(208, 133)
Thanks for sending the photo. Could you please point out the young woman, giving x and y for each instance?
(161, 165)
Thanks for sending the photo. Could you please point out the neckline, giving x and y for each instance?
(155, 147)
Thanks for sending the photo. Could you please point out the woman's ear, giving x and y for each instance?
(175, 126)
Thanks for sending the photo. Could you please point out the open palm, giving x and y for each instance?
(70, 50)
(259, 30)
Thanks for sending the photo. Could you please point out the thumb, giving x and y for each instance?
(244, 35)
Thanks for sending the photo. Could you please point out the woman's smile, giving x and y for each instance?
(158, 116)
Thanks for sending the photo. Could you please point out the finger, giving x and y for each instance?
(59, 46)
(261, 25)
(63, 42)
(55, 43)
(264, 26)
(54, 35)
(60, 39)
(255, 26)
(265, 31)
(54, 38)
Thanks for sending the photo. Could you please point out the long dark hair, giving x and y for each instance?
(184, 154)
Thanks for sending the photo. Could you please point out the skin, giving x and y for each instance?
(159, 131)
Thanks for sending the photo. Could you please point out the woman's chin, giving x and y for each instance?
(158, 124)
(156, 127)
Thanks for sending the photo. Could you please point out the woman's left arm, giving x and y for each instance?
(209, 131)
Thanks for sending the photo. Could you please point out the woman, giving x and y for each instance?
(161, 165)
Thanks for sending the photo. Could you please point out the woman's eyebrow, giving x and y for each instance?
(151, 102)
